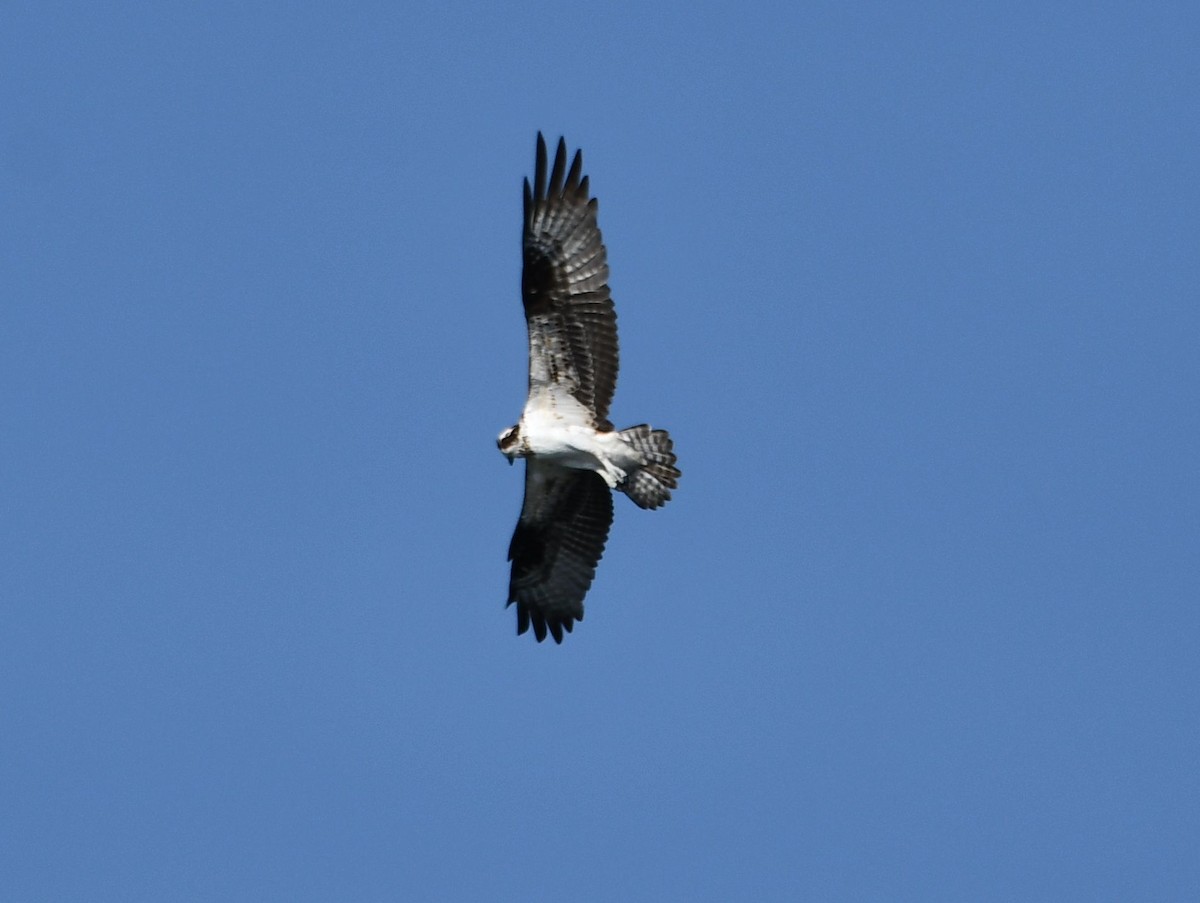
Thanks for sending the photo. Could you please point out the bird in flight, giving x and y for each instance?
(573, 456)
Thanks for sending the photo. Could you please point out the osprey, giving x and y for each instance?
(573, 456)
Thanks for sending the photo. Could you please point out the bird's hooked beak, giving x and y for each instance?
(507, 444)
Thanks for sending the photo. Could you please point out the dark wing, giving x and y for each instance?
(568, 306)
(559, 539)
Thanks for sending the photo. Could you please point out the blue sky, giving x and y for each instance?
(915, 291)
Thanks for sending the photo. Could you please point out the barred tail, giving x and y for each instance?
(650, 485)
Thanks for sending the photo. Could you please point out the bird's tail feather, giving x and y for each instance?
(650, 485)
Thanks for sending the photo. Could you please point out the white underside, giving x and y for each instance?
(559, 430)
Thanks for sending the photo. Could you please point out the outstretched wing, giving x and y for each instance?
(559, 539)
(568, 306)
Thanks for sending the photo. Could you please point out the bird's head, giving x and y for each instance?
(509, 442)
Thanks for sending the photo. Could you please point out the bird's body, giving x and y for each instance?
(562, 437)
(574, 457)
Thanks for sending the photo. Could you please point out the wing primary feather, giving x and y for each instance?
(560, 167)
(539, 170)
(573, 175)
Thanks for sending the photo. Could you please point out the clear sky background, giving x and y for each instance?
(915, 288)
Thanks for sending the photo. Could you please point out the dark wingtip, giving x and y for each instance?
(559, 170)
(539, 170)
(574, 174)
(560, 182)
(543, 626)
(539, 628)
